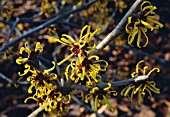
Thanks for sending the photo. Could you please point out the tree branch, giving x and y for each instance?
(114, 84)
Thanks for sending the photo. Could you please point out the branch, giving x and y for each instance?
(114, 84)
(12, 29)
(17, 39)
(35, 113)
(117, 29)
(13, 82)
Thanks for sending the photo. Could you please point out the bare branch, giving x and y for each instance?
(114, 84)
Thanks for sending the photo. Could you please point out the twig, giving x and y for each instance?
(35, 113)
(12, 82)
(11, 30)
(17, 39)
(117, 29)
(28, 106)
(5, 78)
(110, 19)
(61, 82)
(19, 32)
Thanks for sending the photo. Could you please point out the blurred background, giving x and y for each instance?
(17, 17)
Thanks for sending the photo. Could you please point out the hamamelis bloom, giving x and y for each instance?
(137, 25)
(150, 16)
(57, 99)
(39, 80)
(31, 54)
(141, 87)
(101, 96)
(136, 30)
(79, 48)
(86, 70)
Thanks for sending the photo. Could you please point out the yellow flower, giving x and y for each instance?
(31, 54)
(101, 96)
(79, 48)
(86, 70)
(150, 16)
(137, 30)
(40, 81)
(57, 100)
(140, 87)
(138, 25)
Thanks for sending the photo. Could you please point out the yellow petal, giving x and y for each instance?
(108, 103)
(38, 47)
(139, 39)
(82, 31)
(95, 103)
(137, 89)
(68, 40)
(49, 70)
(107, 88)
(137, 66)
(25, 71)
(25, 101)
(21, 60)
(94, 90)
(146, 37)
(157, 69)
(64, 60)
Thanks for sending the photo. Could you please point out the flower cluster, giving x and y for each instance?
(101, 96)
(29, 56)
(84, 69)
(141, 87)
(140, 23)
(79, 48)
(46, 91)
